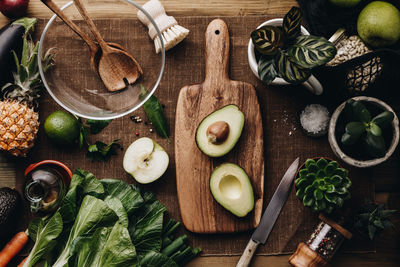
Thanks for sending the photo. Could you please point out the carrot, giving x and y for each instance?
(13, 248)
(22, 262)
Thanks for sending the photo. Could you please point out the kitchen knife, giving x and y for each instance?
(270, 215)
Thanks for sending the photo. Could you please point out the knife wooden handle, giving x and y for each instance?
(248, 253)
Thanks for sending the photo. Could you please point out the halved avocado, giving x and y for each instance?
(218, 133)
(231, 187)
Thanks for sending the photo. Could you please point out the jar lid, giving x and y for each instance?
(306, 257)
(336, 226)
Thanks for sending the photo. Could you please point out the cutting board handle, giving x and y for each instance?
(217, 52)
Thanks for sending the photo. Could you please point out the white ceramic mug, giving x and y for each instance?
(312, 84)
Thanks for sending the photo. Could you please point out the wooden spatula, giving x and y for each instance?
(200, 212)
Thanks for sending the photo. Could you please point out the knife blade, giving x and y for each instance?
(270, 215)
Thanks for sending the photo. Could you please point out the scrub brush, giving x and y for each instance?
(171, 32)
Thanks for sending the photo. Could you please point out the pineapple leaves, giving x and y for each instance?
(292, 23)
(268, 40)
(267, 69)
(290, 71)
(310, 51)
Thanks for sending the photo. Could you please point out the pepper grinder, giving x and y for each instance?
(322, 245)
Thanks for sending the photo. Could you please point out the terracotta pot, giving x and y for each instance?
(352, 161)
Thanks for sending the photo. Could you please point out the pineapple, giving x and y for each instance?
(19, 120)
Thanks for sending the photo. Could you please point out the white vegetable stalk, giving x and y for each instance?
(171, 32)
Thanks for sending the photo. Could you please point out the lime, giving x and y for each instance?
(62, 128)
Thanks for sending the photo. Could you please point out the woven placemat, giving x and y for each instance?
(284, 140)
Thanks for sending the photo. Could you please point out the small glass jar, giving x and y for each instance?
(322, 245)
(46, 185)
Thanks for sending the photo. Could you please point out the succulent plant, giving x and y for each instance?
(365, 130)
(322, 185)
(373, 218)
(288, 54)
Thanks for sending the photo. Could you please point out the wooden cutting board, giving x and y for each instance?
(200, 212)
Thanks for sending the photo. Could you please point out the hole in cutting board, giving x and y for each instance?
(217, 32)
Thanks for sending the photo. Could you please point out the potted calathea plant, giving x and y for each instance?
(287, 52)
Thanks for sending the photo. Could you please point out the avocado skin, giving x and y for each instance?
(10, 200)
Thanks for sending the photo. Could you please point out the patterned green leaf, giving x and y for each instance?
(267, 40)
(267, 69)
(292, 23)
(310, 51)
(290, 71)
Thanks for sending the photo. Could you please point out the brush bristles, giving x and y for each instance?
(171, 37)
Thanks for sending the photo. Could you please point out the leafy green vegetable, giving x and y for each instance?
(44, 235)
(146, 227)
(109, 247)
(95, 233)
(101, 151)
(93, 213)
(157, 259)
(129, 196)
(96, 126)
(154, 111)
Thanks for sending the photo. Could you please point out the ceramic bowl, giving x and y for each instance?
(312, 84)
(74, 85)
(350, 160)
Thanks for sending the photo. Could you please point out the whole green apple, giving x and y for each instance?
(345, 3)
(379, 24)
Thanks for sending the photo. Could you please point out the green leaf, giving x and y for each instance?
(299, 181)
(336, 180)
(331, 198)
(308, 201)
(110, 246)
(146, 227)
(290, 71)
(45, 235)
(371, 231)
(268, 40)
(321, 163)
(101, 151)
(156, 259)
(321, 174)
(93, 213)
(116, 205)
(28, 23)
(375, 145)
(330, 188)
(318, 195)
(308, 162)
(308, 190)
(330, 169)
(303, 172)
(360, 112)
(375, 129)
(292, 23)
(310, 51)
(321, 204)
(267, 69)
(129, 197)
(300, 193)
(313, 168)
(154, 111)
(353, 131)
(383, 119)
(96, 126)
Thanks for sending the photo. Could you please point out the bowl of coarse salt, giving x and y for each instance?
(314, 120)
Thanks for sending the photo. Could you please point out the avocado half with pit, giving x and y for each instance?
(231, 187)
(218, 133)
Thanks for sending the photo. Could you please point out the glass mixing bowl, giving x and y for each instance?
(72, 82)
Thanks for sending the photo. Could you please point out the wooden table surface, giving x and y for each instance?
(387, 246)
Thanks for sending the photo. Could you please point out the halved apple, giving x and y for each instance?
(145, 160)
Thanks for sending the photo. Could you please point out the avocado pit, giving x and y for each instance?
(218, 132)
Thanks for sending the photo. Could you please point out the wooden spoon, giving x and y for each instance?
(94, 48)
(116, 67)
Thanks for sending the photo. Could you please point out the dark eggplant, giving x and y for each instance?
(10, 39)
